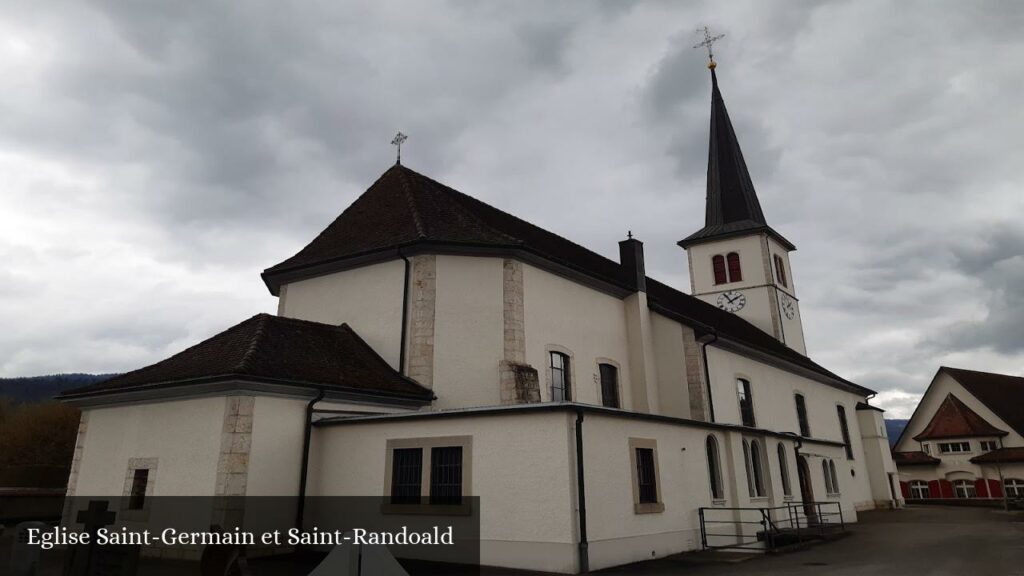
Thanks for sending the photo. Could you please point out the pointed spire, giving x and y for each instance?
(731, 195)
(732, 204)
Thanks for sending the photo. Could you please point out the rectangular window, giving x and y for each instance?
(406, 475)
(137, 496)
(646, 484)
(926, 448)
(845, 430)
(954, 447)
(560, 378)
(801, 416)
(446, 475)
(609, 385)
(746, 402)
(988, 445)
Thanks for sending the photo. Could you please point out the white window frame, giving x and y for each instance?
(969, 489)
(962, 447)
(919, 490)
(1013, 487)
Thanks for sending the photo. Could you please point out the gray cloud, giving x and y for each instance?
(157, 157)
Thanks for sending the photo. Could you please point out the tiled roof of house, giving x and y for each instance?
(272, 349)
(1000, 393)
(1001, 455)
(404, 208)
(954, 419)
(913, 459)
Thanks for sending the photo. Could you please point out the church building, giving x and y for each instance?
(428, 347)
(965, 439)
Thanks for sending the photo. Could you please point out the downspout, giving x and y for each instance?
(707, 371)
(405, 313)
(581, 495)
(304, 473)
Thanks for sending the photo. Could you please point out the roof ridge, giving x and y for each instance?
(413, 209)
(459, 197)
(257, 339)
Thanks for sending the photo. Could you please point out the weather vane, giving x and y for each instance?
(397, 141)
(708, 41)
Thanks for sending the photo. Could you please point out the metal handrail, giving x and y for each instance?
(790, 520)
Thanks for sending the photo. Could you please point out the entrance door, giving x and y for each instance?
(806, 491)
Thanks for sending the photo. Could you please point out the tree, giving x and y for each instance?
(37, 434)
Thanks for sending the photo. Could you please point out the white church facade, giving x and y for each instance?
(429, 347)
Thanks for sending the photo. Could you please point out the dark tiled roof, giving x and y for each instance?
(403, 208)
(1000, 393)
(1000, 456)
(273, 349)
(913, 459)
(732, 204)
(954, 419)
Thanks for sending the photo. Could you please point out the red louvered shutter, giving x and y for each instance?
(905, 489)
(718, 263)
(994, 488)
(735, 272)
(981, 488)
(933, 489)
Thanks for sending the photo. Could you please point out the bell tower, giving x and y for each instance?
(737, 261)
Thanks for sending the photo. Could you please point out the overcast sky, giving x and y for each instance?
(155, 157)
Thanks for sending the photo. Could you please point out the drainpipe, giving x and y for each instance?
(304, 473)
(405, 313)
(581, 495)
(707, 371)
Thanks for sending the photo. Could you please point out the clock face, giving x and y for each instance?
(788, 307)
(732, 301)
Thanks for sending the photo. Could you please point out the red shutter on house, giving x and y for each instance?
(995, 490)
(933, 489)
(981, 488)
(946, 488)
(905, 489)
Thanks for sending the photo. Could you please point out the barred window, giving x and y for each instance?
(406, 475)
(645, 477)
(746, 402)
(137, 496)
(446, 475)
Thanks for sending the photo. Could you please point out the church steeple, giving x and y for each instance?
(732, 204)
(737, 261)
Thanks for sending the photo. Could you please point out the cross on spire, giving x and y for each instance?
(708, 41)
(397, 141)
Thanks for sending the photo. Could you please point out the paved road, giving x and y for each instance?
(921, 540)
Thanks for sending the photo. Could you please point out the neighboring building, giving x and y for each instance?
(447, 335)
(965, 439)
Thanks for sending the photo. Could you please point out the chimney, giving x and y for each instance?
(631, 257)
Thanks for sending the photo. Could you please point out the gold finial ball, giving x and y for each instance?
(712, 65)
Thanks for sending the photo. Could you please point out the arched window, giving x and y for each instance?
(735, 272)
(780, 271)
(714, 469)
(828, 477)
(784, 470)
(1014, 487)
(561, 379)
(919, 489)
(718, 263)
(964, 489)
(757, 465)
(750, 469)
(835, 477)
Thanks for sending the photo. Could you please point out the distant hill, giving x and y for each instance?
(36, 388)
(893, 429)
